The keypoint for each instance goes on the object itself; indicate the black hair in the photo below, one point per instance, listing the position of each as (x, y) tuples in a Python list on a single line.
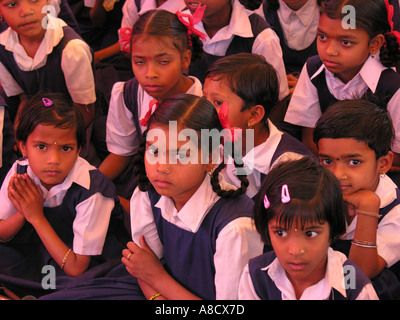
[(62, 113), (164, 23), (358, 119), (372, 17), (196, 113), (315, 196), (250, 77)]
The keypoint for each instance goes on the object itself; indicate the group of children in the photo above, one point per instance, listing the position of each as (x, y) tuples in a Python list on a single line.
[(172, 213)]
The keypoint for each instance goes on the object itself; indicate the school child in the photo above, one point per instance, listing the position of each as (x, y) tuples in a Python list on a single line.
[(295, 23), (299, 213), (57, 209), (350, 63), (44, 56), (248, 86), (162, 47), (182, 214), (354, 139), (230, 29)]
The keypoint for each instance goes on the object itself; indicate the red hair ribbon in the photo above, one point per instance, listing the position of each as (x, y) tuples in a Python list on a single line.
[(390, 11), (223, 114), (125, 38), (145, 120), (192, 20)]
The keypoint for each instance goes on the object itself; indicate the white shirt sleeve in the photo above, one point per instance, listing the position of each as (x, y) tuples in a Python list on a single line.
[(267, 44), (7, 208), (236, 244), (10, 86), (76, 63), (91, 224), (246, 288), (368, 293), (121, 136), (304, 108), (142, 222)]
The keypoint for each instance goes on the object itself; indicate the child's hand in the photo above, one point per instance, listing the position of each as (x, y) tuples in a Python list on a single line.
[(364, 200), (26, 196), (142, 263)]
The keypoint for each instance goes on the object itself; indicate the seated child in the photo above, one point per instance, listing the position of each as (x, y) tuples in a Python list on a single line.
[(353, 139), (57, 209), (299, 213), (247, 86)]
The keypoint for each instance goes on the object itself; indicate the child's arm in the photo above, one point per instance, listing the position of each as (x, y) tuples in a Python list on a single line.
[(363, 251), (28, 197), (144, 265), (113, 165), (87, 111), (10, 226)]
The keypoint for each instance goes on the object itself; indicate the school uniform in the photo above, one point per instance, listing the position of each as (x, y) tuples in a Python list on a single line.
[(209, 234), (265, 278), (133, 9), (246, 32), (85, 213), (297, 31), (62, 63), (278, 147), (130, 103), (316, 91), (387, 284)]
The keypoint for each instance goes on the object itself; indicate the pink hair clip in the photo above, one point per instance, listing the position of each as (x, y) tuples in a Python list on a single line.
[(192, 20), (223, 114), (47, 102), (285, 196), (266, 202), (145, 120)]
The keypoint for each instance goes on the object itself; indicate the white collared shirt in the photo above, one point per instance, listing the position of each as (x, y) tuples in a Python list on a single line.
[(300, 26), (237, 242), (258, 161), (388, 232), (75, 62), (121, 136), (92, 215), (334, 279), (304, 108), (266, 43), (130, 12)]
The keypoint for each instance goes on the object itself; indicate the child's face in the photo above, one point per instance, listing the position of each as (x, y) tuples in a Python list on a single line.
[(352, 162), (295, 4), (218, 92), (301, 252), (158, 65), (51, 153), (173, 167), (343, 51), (213, 7), (25, 17)]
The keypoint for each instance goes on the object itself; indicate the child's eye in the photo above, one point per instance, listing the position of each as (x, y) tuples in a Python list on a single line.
[(164, 62), (321, 36), (354, 162), (41, 147), (346, 43), (325, 162), (311, 234), (66, 148), (281, 233), (152, 150)]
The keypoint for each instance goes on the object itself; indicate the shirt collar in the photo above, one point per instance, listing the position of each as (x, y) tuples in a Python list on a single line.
[(79, 175), (333, 278), (52, 37), (370, 73), (386, 191), (305, 14), (203, 199)]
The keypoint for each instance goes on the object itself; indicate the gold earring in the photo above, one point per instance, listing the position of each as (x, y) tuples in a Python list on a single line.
[(211, 173)]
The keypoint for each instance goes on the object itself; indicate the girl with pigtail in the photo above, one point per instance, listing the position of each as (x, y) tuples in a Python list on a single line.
[(182, 213), (161, 45), (357, 46)]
